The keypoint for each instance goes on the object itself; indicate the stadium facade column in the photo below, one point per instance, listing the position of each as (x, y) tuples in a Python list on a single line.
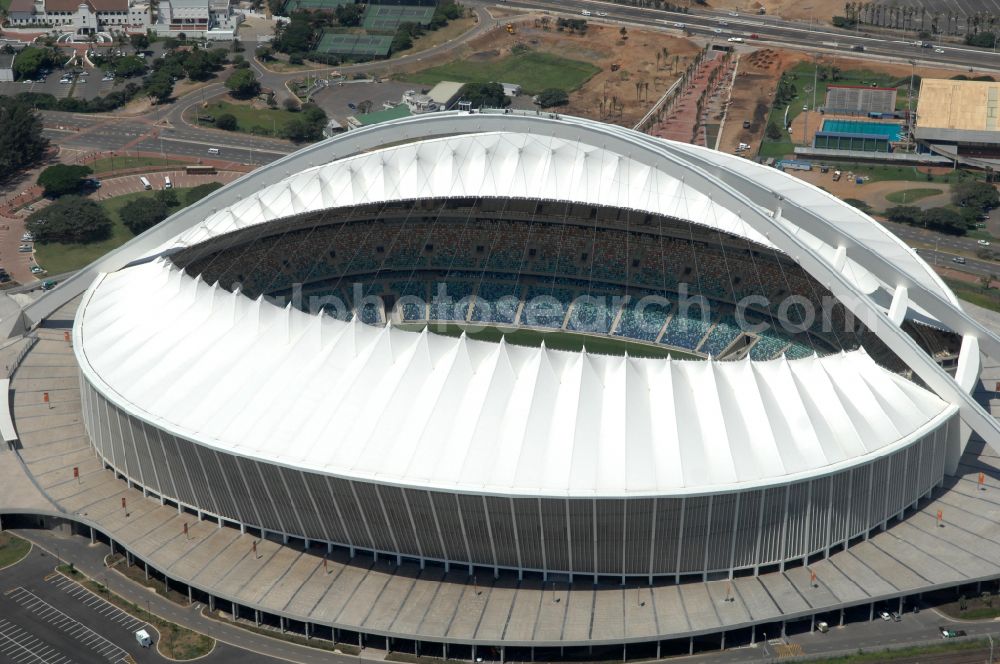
[(92, 541)]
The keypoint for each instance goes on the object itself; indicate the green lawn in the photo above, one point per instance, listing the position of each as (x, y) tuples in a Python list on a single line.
[(556, 340), (908, 196), (882, 172), (263, 122), (912, 653), (4, 5), (12, 549), (532, 70), (57, 257), (988, 299), (106, 165)]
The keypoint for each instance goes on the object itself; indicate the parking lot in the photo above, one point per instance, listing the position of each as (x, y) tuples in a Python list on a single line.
[(105, 649), (47, 619), (21, 646)]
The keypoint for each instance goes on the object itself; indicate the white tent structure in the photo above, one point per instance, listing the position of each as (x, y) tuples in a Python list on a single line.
[(489, 454)]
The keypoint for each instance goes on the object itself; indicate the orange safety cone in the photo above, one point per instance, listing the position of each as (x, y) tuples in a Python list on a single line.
[(940, 517), (45, 399), (982, 481)]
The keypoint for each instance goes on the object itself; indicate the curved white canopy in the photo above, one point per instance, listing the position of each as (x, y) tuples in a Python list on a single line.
[(513, 165), (418, 409)]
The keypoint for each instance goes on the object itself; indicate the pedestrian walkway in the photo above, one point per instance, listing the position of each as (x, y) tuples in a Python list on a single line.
[(382, 597)]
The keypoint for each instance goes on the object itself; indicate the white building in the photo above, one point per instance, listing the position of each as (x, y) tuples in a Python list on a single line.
[(6, 67), (80, 16), (212, 17)]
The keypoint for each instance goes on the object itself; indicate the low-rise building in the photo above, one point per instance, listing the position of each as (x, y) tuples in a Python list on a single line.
[(960, 120), (80, 17), (212, 18), (445, 94)]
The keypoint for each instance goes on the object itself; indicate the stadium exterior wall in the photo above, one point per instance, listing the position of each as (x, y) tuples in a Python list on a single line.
[(709, 535)]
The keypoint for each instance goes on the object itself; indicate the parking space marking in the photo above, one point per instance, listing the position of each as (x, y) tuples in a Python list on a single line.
[(69, 625), (99, 604), (22, 647)]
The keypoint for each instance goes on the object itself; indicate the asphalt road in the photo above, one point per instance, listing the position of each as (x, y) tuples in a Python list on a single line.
[(721, 25)]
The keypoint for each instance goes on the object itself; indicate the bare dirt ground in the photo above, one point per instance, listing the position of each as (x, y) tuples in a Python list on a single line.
[(757, 77), (602, 46), (752, 95), (810, 10), (874, 193)]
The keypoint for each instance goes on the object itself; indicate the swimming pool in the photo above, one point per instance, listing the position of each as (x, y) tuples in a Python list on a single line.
[(889, 130)]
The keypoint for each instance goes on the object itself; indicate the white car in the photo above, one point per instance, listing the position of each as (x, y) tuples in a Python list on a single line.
[(734, 13), (939, 50), (602, 13), (27, 80), (717, 30), (585, 12), (984, 243), (737, 40), (678, 25), (25, 249), (108, 78), (884, 615), (27, 237), (36, 270)]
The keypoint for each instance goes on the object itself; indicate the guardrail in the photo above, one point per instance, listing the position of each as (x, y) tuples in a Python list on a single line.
[(32, 338)]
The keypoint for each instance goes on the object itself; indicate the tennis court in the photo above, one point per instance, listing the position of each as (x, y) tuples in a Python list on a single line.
[(313, 5), (353, 45), (386, 18)]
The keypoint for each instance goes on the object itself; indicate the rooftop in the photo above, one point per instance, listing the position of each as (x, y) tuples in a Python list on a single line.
[(962, 105), (394, 113), (445, 91)]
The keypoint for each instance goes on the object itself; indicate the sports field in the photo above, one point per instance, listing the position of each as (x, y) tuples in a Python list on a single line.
[(534, 71), (352, 45), (386, 18), (556, 340), (313, 5)]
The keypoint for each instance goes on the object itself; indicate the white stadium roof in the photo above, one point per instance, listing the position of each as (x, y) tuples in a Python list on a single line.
[(312, 392), (423, 410), (518, 165)]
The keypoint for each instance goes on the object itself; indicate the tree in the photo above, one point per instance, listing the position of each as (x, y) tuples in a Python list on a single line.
[(139, 42), (21, 140), (859, 204), (70, 219), (943, 220), (199, 65), (904, 214), (484, 95), (773, 131), (552, 97), (298, 130), (159, 87), (195, 194), (349, 15), (983, 39), (295, 36), (243, 84), (239, 62), (168, 197), (226, 121), (974, 194), (62, 179), (129, 66), (290, 104), (141, 214), (31, 59), (263, 53)]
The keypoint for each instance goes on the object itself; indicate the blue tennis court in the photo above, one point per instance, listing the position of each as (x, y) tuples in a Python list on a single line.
[(888, 130)]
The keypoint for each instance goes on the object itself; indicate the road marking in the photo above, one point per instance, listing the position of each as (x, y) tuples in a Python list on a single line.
[(71, 626), (99, 604), (24, 648)]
